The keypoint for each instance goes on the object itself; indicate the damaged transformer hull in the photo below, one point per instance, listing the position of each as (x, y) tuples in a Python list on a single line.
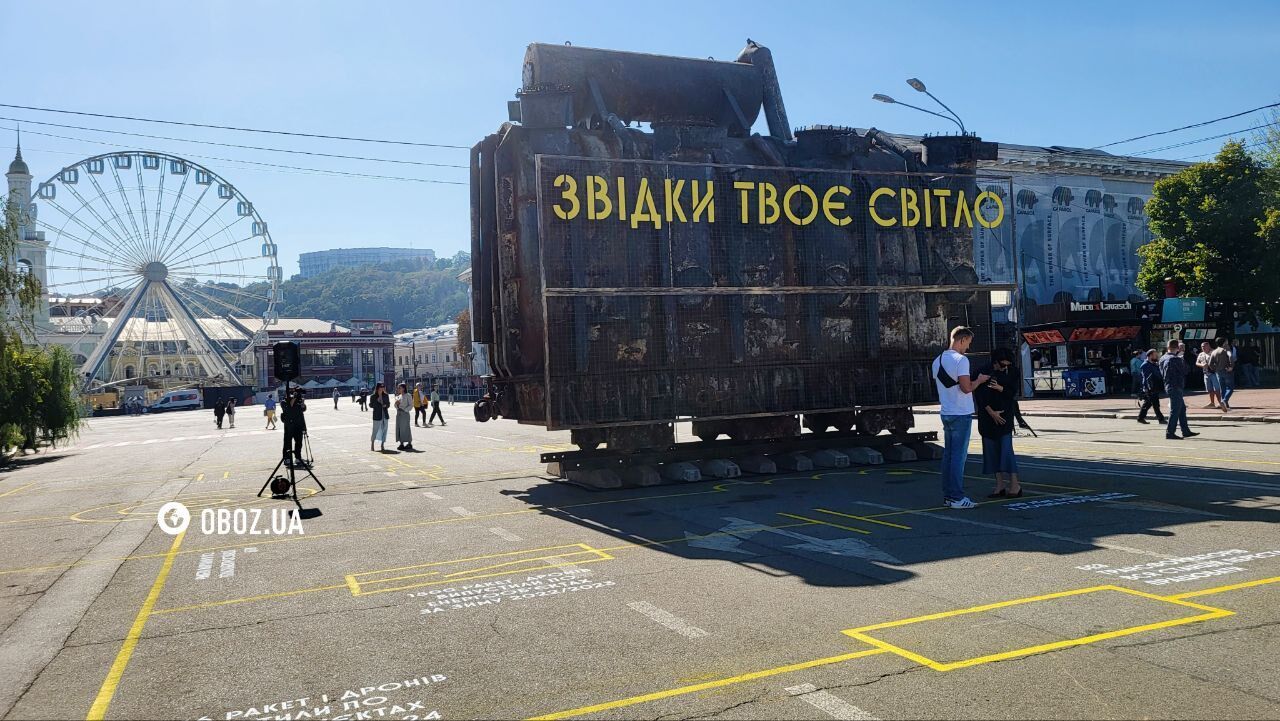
[(626, 279)]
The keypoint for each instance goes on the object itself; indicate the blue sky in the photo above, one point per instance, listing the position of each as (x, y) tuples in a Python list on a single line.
[(1081, 73)]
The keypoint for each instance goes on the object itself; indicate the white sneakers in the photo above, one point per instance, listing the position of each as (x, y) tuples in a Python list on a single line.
[(962, 503)]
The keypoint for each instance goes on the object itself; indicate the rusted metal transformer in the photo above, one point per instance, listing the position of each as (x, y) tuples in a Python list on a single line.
[(626, 278)]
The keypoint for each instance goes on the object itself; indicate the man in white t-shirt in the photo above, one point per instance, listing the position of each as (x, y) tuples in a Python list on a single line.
[(955, 389)]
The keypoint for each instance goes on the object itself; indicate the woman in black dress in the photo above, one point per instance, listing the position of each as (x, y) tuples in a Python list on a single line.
[(994, 402)]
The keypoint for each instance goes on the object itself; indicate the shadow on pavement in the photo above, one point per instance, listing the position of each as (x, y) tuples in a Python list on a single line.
[(879, 525)]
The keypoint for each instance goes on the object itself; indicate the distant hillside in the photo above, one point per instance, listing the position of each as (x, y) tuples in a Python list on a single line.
[(412, 294)]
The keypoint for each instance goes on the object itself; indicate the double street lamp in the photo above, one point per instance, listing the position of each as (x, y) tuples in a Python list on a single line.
[(919, 87)]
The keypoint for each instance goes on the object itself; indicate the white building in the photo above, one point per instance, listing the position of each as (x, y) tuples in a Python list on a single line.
[(429, 353), (320, 261)]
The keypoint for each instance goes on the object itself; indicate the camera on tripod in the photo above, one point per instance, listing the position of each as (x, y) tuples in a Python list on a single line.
[(296, 453)]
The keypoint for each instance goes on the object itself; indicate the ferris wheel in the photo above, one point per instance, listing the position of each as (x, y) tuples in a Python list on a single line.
[(164, 270)]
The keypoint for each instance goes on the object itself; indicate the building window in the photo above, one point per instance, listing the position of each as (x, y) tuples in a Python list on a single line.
[(129, 371)]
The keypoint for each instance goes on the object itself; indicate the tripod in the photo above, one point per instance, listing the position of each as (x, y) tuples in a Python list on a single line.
[(292, 461)]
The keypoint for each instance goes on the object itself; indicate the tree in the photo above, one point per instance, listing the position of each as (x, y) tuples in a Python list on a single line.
[(464, 335), (37, 397), (20, 289), (1216, 233)]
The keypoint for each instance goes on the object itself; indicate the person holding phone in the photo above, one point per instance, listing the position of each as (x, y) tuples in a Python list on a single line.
[(955, 388), (995, 401), (380, 403)]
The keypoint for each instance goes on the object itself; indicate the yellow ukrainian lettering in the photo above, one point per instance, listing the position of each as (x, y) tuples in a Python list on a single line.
[(645, 211), (942, 194), (704, 203), (871, 204), (813, 204), (962, 208), (744, 187), (910, 208), (622, 198), (673, 200), (977, 209), (569, 194), (769, 210), (830, 205), (599, 206), (928, 210)]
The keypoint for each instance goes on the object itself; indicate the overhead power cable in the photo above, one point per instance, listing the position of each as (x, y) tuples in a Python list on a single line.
[(1201, 140), (1186, 127), (232, 127), (233, 145), (309, 171)]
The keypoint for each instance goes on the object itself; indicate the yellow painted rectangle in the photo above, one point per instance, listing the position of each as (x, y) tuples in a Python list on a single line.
[(468, 569), (862, 633)]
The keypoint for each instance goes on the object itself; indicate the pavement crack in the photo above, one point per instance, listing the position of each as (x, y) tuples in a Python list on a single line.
[(716, 714)]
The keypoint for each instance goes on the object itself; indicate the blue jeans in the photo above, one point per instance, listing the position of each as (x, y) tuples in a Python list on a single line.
[(1227, 382), (955, 451), (1177, 412)]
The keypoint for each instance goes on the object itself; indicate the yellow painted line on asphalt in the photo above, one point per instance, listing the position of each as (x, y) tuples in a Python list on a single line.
[(863, 518), (1221, 589), (103, 701), (826, 523), (1208, 613), (19, 489), (694, 688), (263, 597)]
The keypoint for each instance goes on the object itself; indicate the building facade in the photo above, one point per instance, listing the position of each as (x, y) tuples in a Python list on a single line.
[(430, 353), (332, 356), (321, 261)]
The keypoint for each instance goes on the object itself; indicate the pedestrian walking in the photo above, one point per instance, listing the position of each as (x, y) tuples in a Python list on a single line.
[(1152, 384), (995, 401), (381, 405), (1173, 369), (269, 410), (435, 407), (1222, 365), (1135, 372), (219, 410), (451, 391), (1210, 378), (336, 396), (231, 411), (295, 425), (955, 388), (364, 400), (419, 405), (404, 404)]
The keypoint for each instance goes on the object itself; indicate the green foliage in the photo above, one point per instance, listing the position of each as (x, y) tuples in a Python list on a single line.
[(412, 294), (37, 400), (1216, 232), (21, 291)]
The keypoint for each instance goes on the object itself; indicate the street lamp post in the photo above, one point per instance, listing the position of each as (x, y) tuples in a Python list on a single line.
[(919, 86)]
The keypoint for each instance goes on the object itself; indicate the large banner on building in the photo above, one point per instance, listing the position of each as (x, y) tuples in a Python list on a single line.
[(1078, 237)]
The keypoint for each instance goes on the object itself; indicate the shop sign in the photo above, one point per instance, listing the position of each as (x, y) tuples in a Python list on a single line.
[(1096, 306)]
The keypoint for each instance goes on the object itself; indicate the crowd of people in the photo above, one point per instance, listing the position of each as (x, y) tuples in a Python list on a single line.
[(406, 404), (991, 396)]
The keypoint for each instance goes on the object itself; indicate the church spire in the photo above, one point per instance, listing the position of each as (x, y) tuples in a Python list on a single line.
[(19, 165)]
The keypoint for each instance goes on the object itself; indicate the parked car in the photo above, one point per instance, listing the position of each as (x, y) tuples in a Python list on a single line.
[(177, 401)]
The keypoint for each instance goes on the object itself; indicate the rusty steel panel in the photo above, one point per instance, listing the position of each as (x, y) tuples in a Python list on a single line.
[(708, 290)]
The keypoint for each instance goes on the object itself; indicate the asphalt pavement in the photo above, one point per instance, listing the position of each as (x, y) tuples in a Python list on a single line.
[(1137, 577)]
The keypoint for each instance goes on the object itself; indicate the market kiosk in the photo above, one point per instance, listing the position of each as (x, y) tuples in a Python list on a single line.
[(1083, 349)]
